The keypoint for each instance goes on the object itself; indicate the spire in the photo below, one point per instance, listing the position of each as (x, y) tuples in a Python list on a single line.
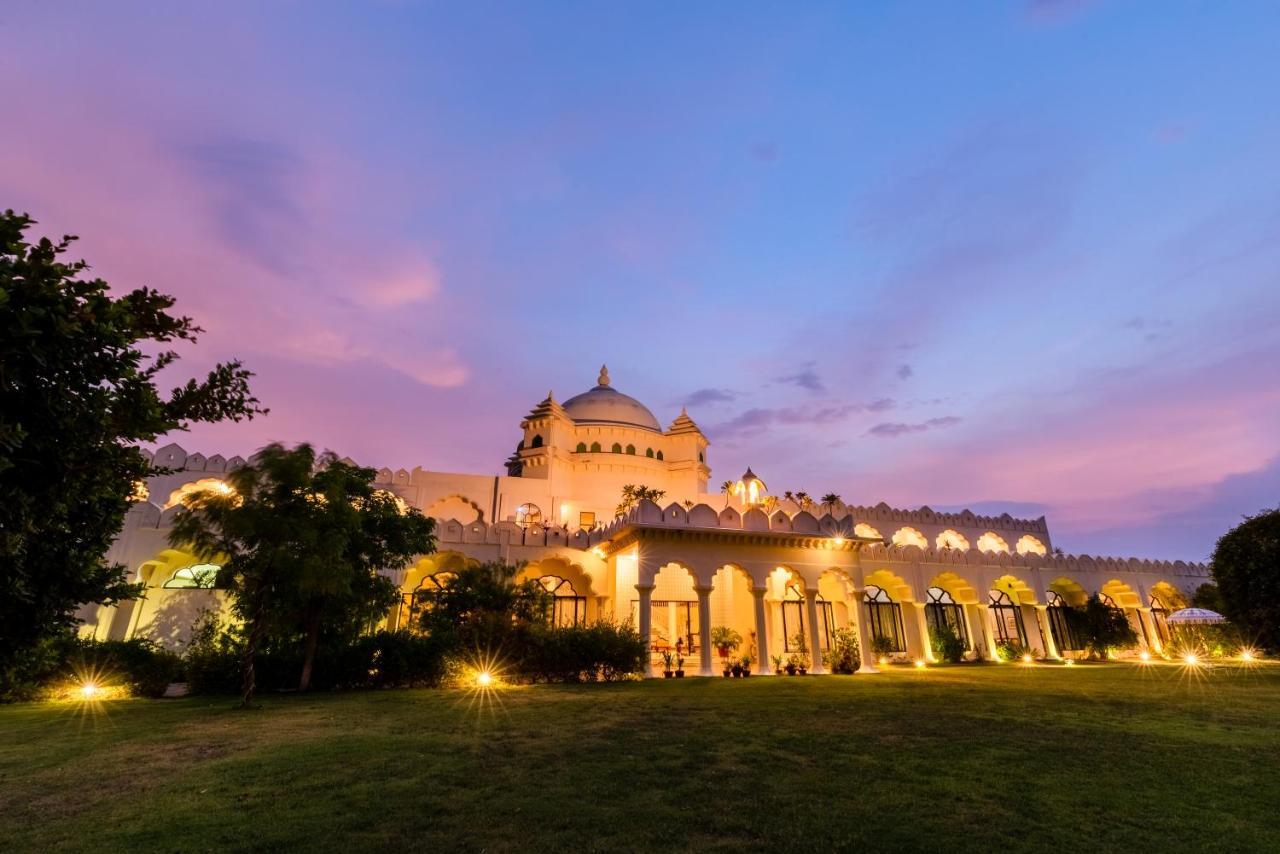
[(603, 379)]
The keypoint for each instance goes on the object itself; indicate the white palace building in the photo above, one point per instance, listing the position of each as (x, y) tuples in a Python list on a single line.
[(764, 566)]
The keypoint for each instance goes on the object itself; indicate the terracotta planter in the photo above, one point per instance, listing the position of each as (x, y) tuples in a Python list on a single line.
[(679, 674), (746, 671), (666, 674), (726, 674)]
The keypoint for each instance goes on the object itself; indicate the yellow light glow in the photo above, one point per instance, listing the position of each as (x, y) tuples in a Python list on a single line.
[(1027, 659), (1191, 659), (484, 678), (89, 690), (884, 660), (1247, 655), (1069, 662), (839, 541), (598, 552), (919, 662), (1144, 655)]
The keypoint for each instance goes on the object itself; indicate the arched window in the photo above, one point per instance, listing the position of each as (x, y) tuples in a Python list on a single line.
[(567, 607), (884, 617), (427, 594), (648, 452), (941, 610), (582, 447), (631, 449), (595, 447), (617, 448), (701, 458), (862, 529), (793, 619), (1060, 625), (659, 454), (1160, 616), (528, 514), (1007, 619), (537, 441), (199, 577)]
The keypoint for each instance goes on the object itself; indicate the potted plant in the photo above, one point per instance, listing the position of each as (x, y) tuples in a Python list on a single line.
[(736, 669), (667, 658), (882, 647), (725, 640), (747, 661), (679, 664), (799, 659), (777, 665), (844, 656)]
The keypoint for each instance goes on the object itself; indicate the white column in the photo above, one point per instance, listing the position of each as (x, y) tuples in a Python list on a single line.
[(646, 626), (1032, 626), (1051, 645), (924, 631), (1157, 645), (763, 665), (986, 636), (815, 636), (859, 616), (704, 629)]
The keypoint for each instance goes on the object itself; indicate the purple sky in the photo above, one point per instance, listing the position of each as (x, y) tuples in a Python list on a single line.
[(1020, 256)]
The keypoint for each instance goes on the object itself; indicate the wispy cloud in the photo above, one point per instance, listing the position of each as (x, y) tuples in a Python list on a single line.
[(709, 397), (758, 418), (894, 429), (807, 378), (905, 372)]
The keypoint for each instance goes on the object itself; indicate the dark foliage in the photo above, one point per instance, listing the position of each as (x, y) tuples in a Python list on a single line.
[(599, 651), (1246, 568), (1101, 627), (77, 393), (60, 663), (946, 643)]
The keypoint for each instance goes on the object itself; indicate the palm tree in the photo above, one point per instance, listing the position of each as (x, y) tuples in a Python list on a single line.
[(831, 499), (725, 489), (803, 499)]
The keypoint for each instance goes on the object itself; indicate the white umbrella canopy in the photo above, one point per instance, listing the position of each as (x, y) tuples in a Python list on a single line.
[(1195, 617)]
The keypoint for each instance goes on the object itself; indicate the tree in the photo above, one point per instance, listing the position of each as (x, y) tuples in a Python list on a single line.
[(77, 393), (726, 489), (482, 610), (1208, 596), (1101, 627), (301, 538), (803, 499), (632, 495), (831, 499), (1246, 568)]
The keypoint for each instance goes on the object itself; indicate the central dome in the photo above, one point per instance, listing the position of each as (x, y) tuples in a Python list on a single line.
[(605, 405)]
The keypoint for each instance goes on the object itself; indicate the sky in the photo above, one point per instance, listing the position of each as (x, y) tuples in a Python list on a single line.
[(1011, 256)]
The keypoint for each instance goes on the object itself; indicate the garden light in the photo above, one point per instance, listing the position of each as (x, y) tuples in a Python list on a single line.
[(883, 660), (919, 662), (89, 690), (1026, 659), (1145, 656), (484, 678), (1191, 659), (839, 541), (1070, 662), (1246, 655)]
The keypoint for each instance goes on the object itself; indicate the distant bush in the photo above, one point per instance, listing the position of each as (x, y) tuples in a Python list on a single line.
[(946, 643), (1012, 651), (882, 646), (140, 667)]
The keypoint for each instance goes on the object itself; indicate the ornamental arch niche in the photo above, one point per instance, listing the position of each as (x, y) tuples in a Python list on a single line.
[(992, 543), (1071, 592), (674, 617), (1121, 594), (1029, 545), (862, 529), (952, 539), (1019, 590), (205, 484), (458, 507), (908, 536), (958, 587)]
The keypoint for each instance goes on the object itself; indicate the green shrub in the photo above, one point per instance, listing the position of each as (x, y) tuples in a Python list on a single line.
[(845, 655), (1012, 651), (882, 646), (946, 643), (603, 650)]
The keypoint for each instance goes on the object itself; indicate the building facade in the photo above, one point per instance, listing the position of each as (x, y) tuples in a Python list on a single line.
[(783, 572)]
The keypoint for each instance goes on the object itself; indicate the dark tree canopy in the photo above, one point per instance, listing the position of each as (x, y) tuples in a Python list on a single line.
[(301, 538), (1246, 568), (77, 392)]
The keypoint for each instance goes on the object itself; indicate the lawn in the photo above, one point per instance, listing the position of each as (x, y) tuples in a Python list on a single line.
[(1105, 757)]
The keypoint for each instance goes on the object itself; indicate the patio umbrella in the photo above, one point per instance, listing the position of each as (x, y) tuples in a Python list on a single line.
[(1195, 617)]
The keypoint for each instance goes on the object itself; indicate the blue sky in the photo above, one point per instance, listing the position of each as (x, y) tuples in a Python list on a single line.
[(1009, 256)]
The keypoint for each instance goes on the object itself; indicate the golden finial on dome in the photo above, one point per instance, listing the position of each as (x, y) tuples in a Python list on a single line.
[(603, 379)]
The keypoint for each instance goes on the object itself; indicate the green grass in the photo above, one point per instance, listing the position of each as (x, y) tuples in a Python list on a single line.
[(1108, 757)]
